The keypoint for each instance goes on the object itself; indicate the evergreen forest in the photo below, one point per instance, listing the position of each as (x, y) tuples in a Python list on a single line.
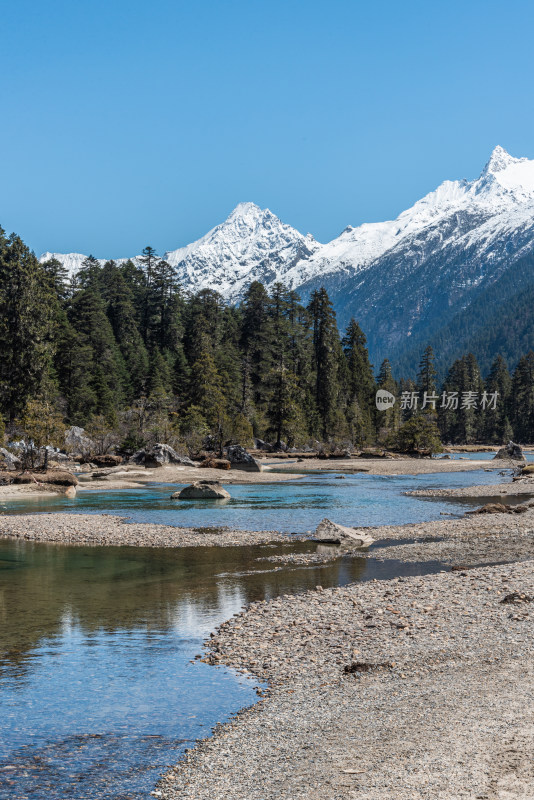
[(121, 351)]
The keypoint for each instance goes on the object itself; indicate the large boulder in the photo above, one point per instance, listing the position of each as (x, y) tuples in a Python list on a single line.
[(240, 459), (328, 531), (260, 444), (77, 442), (159, 456), (512, 452), (8, 460), (202, 490)]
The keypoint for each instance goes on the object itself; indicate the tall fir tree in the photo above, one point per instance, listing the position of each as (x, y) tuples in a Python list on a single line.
[(28, 307), (327, 350)]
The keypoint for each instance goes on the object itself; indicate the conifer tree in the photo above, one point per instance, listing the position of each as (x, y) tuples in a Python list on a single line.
[(523, 399), (327, 350), (121, 313), (360, 385), (27, 309), (388, 421), (106, 373), (496, 425), (426, 378)]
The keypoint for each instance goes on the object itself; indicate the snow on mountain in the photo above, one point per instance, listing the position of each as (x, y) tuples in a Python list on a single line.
[(501, 199), (71, 261), (488, 218), (252, 244)]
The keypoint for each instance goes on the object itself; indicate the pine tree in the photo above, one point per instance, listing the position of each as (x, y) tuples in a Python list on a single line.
[(388, 420), (426, 378), (106, 373), (27, 309), (207, 394), (459, 415), (148, 261), (255, 342), (360, 385), (496, 426), (523, 399), (121, 313), (327, 350)]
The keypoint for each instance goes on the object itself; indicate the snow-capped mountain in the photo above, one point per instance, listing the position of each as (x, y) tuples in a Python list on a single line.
[(500, 200), (400, 278), (408, 277), (252, 244)]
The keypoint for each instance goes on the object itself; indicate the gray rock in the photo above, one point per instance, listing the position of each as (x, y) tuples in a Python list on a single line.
[(280, 447), (159, 456), (240, 459), (11, 461), (511, 451), (259, 444), (202, 490), (77, 442), (328, 531)]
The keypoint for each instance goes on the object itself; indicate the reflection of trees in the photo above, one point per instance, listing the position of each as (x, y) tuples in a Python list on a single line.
[(113, 588)]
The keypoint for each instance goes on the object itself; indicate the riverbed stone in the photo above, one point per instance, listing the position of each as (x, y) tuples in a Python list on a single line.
[(511, 451), (9, 460), (239, 458), (328, 531), (159, 456), (202, 490)]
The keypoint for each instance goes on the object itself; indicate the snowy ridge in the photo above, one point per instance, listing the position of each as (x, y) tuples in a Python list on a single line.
[(252, 244), (482, 216)]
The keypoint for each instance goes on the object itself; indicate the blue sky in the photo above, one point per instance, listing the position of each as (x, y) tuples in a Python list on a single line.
[(127, 123)]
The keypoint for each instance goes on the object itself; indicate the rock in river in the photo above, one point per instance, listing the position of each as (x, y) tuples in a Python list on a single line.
[(511, 451), (240, 459), (328, 531), (202, 490)]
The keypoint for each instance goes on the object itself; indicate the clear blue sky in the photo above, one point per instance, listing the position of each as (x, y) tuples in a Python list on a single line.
[(127, 123)]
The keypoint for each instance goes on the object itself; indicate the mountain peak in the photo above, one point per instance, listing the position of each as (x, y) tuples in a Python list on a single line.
[(246, 209), (507, 176), (500, 160)]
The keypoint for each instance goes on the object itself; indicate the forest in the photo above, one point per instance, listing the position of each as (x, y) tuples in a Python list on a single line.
[(123, 352)]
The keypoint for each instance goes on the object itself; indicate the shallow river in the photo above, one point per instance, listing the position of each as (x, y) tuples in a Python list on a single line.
[(97, 690)]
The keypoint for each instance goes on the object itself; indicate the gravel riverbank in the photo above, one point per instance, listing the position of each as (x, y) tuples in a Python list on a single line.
[(521, 486), (437, 701), (103, 529)]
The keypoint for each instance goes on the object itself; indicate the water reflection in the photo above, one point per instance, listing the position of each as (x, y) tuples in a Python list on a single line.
[(97, 688)]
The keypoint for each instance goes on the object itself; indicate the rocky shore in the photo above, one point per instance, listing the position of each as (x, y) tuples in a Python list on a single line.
[(522, 486), (411, 688), (103, 529)]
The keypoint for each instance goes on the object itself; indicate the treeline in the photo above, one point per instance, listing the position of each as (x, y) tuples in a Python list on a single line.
[(122, 351)]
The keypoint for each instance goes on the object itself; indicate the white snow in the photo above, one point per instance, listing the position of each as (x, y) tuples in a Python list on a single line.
[(253, 244)]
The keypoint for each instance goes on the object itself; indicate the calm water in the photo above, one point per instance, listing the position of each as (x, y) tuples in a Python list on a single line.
[(97, 690), (296, 506)]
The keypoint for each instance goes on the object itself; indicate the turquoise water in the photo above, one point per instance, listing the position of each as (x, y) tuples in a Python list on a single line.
[(294, 506), (98, 691)]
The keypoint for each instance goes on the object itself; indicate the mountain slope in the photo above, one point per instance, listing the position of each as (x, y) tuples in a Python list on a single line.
[(252, 244), (434, 259), (403, 279), (499, 320)]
